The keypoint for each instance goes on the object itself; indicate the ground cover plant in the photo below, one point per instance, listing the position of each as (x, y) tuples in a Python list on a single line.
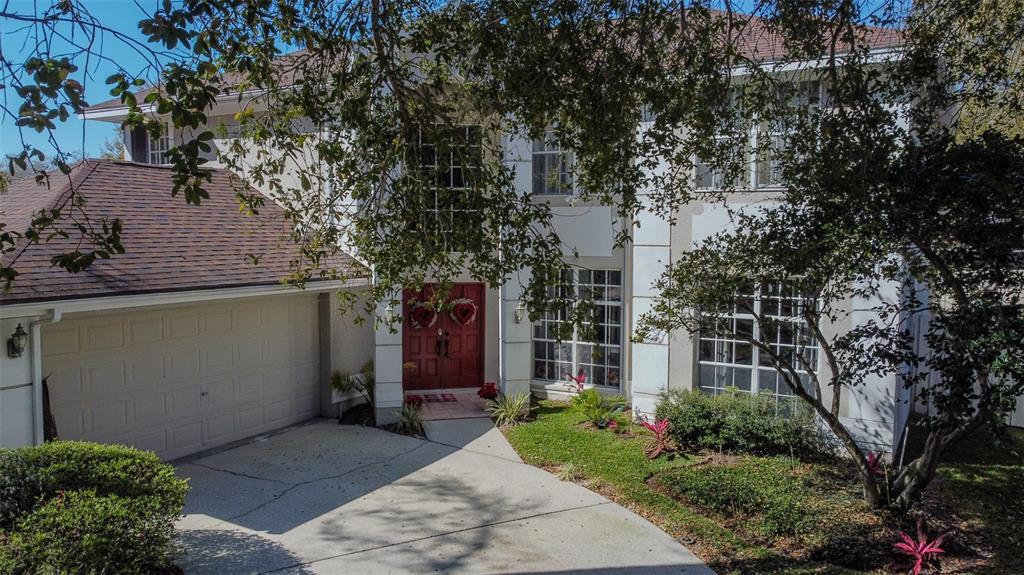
[(751, 514), (79, 507)]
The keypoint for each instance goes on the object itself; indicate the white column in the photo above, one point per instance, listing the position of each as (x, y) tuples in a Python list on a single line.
[(19, 412), (387, 361), (516, 339)]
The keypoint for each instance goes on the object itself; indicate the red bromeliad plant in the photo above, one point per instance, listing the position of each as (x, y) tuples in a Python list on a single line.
[(662, 441), (875, 464), (579, 379), (921, 550)]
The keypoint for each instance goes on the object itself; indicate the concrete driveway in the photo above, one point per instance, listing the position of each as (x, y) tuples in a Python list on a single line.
[(325, 498)]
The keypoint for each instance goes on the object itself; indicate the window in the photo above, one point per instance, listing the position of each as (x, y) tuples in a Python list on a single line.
[(551, 168), (600, 360), (759, 151), (726, 360), (447, 162), (158, 148)]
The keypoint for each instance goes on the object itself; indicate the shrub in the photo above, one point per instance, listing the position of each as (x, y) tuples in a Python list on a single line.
[(599, 409), (509, 409), (779, 498), (71, 506), (742, 423), (410, 419)]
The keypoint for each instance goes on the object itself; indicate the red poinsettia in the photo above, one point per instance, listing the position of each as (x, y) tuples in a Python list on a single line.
[(921, 550)]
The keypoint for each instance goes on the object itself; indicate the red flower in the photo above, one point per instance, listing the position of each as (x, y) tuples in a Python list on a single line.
[(875, 464), (579, 379), (488, 390)]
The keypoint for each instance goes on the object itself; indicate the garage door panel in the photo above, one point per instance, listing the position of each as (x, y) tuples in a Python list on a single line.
[(187, 438), (180, 380), (216, 322), (218, 393), (220, 428), (147, 330), (105, 377), (109, 417), (147, 371), (150, 409), (104, 336)]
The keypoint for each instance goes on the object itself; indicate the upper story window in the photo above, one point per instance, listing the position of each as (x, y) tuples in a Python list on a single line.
[(759, 152), (770, 313), (552, 168), (150, 150), (447, 162)]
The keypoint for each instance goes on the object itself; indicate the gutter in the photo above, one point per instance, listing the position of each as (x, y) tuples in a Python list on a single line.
[(36, 340)]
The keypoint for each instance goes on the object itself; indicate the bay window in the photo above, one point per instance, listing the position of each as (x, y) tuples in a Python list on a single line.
[(557, 354)]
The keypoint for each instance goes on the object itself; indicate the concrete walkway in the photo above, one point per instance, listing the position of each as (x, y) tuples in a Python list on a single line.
[(330, 499)]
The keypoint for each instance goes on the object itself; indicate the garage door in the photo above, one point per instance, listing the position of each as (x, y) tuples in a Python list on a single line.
[(177, 380)]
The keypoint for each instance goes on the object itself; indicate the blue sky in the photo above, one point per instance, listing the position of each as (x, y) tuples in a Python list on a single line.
[(76, 135)]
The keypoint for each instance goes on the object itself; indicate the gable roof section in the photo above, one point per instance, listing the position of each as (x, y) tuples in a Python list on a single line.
[(170, 245)]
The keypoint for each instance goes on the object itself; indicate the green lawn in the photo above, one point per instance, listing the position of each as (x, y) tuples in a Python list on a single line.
[(617, 467)]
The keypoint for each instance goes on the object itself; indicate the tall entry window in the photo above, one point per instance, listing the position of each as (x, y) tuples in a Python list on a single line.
[(600, 360)]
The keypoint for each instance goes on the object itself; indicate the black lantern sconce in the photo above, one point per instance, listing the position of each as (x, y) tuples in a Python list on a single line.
[(17, 342)]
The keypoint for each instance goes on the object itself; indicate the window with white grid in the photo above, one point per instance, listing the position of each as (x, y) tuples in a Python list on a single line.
[(158, 148), (600, 359), (552, 173), (726, 360), (448, 161)]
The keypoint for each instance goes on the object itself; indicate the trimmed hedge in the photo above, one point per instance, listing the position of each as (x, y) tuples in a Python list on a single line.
[(737, 422), (80, 507), (781, 500)]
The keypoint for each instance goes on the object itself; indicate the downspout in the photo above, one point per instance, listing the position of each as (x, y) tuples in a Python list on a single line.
[(35, 331)]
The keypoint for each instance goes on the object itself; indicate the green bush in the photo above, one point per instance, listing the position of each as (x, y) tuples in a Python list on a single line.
[(737, 422), (780, 499), (598, 408), (79, 507)]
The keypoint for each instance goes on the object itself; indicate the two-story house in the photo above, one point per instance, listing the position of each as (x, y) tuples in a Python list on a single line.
[(182, 344)]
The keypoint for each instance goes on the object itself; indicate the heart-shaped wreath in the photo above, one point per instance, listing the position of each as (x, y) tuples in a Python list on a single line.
[(421, 314), (463, 311)]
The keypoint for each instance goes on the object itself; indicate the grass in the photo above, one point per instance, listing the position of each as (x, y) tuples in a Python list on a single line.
[(980, 487)]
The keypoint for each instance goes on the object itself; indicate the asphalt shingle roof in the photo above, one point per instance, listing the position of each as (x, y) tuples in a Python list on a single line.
[(170, 245)]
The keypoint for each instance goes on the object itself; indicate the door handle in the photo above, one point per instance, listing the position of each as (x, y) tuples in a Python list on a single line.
[(446, 347), (437, 346)]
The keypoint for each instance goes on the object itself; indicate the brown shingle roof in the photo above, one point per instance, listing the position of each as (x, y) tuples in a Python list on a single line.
[(170, 245)]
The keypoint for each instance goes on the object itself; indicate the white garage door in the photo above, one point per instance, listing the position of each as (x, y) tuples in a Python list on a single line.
[(177, 380)]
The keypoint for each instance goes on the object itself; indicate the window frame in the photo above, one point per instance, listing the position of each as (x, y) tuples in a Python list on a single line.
[(428, 147), (580, 352), (549, 147), (756, 368), (152, 150), (755, 155)]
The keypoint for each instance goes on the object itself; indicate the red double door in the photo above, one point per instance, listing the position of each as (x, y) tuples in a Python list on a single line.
[(448, 353)]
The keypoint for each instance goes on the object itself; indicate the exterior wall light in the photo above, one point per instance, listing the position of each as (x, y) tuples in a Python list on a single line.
[(17, 342), (520, 311)]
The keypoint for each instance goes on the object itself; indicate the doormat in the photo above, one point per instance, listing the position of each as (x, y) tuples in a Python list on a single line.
[(431, 398)]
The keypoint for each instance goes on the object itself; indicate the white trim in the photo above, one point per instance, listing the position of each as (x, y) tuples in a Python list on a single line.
[(165, 298)]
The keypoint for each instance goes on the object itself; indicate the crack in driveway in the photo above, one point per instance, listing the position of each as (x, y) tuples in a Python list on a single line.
[(435, 536), (293, 486)]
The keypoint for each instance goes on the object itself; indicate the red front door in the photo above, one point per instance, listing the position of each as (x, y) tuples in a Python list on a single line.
[(440, 351)]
